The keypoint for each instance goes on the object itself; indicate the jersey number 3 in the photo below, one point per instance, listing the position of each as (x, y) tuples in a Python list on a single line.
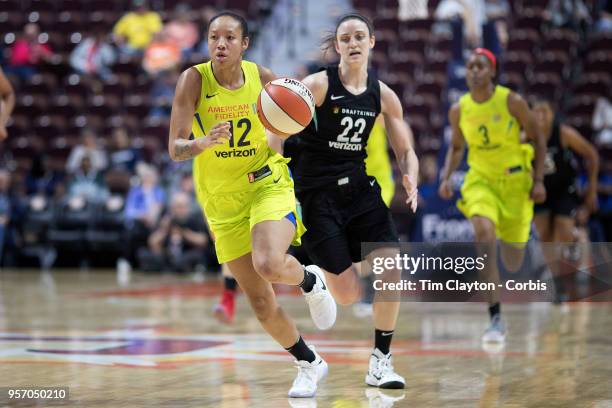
[(348, 124), (242, 123), (485, 134)]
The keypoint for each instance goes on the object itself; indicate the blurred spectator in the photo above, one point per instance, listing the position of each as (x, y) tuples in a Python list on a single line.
[(483, 22), (41, 178), (412, 9), (87, 183), (93, 56), (135, 30), (602, 122), (27, 52), (122, 156), (7, 103), (161, 54), (180, 241), (495, 31), (428, 186), (568, 13), (142, 210), (182, 30), (88, 147), (182, 183), (162, 94), (472, 13), (604, 22)]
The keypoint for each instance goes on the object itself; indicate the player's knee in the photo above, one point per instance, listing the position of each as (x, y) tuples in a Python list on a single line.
[(484, 233), (263, 307), (348, 297), (346, 292), (268, 266), (513, 259)]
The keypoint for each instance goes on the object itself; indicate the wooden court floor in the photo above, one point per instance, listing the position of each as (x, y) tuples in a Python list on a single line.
[(154, 343)]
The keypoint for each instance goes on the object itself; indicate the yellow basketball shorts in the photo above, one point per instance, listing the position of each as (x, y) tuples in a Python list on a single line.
[(505, 200), (232, 216)]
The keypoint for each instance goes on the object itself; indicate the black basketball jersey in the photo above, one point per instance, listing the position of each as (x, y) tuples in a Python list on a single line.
[(559, 165), (333, 145)]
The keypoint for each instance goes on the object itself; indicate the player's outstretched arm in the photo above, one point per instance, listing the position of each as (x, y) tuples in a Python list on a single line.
[(454, 154), (572, 139), (520, 110), (186, 99), (400, 138), (7, 103)]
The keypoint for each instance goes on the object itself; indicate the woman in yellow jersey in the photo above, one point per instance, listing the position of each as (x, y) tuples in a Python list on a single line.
[(500, 186), (245, 189)]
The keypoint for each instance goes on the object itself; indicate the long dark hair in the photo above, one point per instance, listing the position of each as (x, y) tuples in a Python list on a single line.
[(330, 38)]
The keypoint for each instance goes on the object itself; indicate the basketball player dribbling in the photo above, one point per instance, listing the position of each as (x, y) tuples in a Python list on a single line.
[(500, 187), (245, 189), (341, 204)]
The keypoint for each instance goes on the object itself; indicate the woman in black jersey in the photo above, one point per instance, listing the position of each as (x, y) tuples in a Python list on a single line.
[(341, 206), (555, 219)]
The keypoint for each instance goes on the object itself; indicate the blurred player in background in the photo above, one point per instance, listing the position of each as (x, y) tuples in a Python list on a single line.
[(555, 218), (248, 199), (7, 103), (499, 190)]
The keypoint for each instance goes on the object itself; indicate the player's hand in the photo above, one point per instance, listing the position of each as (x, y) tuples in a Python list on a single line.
[(217, 135), (538, 192), (445, 190), (590, 201), (410, 185), (3, 133)]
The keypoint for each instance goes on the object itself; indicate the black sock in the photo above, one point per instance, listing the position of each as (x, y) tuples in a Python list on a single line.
[(382, 340), (230, 283), (301, 351), (494, 310), (308, 282)]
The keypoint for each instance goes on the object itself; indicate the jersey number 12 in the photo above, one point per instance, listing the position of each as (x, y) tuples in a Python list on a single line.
[(242, 123)]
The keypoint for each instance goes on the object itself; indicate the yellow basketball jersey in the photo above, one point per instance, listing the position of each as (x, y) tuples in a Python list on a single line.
[(224, 168), (492, 133), (377, 162)]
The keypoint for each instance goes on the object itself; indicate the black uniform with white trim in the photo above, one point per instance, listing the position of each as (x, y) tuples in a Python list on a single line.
[(559, 177), (341, 205)]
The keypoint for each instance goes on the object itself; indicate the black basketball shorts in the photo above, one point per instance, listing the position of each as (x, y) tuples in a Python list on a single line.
[(340, 217), (560, 202)]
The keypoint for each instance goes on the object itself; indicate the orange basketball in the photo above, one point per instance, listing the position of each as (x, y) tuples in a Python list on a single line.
[(285, 106)]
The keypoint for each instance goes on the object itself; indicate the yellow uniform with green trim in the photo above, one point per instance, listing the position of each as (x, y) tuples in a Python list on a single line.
[(498, 183), (243, 181), (378, 164)]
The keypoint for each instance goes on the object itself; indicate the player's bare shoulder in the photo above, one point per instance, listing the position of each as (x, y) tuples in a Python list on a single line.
[(389, 100)]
